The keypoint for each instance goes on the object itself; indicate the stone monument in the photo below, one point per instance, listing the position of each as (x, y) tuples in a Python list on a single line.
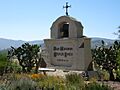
[(68, 49)]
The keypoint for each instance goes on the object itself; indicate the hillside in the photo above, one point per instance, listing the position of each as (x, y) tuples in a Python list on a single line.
[(95, 41), (6, 43)]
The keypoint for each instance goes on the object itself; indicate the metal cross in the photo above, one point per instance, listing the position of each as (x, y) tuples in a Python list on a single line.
[(67, 6)]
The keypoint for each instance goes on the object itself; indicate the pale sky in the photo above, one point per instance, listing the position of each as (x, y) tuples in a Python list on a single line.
[(32, 19)]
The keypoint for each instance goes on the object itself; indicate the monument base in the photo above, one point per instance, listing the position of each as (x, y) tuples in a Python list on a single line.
[(70, 54)]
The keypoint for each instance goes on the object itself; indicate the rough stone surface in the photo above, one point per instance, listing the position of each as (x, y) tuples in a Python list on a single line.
[(68, 48)]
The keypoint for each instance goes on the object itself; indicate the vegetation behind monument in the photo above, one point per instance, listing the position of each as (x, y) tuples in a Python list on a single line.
[(107, 58), (27, 56)]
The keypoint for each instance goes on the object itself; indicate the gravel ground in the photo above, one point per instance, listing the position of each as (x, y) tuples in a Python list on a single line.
[(114, 85)]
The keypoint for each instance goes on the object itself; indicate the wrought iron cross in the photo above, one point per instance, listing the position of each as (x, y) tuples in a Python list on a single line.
[(67, 6)]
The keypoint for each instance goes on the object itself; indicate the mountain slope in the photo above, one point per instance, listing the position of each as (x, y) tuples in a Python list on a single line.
[(95, 41), (6, 43)]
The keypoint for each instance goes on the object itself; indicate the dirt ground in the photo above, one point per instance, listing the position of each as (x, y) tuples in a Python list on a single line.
[(114, 85)]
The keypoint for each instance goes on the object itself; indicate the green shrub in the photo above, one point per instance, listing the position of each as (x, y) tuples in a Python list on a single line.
[(49, 82), (104, 75), (97, 86), (93, 80), (21, 83), (118, 74), (14, 67), (118, 67), (75, 81), (2, 87), (3, 62)]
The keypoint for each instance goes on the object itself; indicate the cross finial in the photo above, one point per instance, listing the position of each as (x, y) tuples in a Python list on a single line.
[(67, 6)]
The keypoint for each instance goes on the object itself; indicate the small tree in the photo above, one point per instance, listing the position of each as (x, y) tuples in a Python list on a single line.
[(27, 56), (106, 57)]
